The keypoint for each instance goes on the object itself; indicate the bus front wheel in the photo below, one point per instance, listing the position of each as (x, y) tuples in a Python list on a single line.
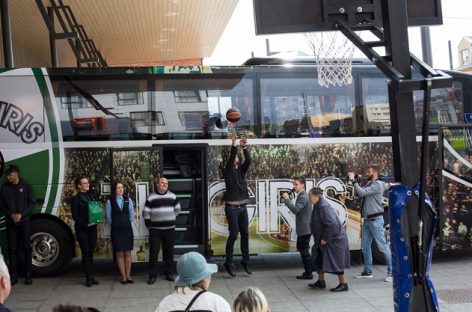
[(51, 247)]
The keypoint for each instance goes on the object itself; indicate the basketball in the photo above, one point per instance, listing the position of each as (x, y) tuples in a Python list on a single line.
[(233, 115)]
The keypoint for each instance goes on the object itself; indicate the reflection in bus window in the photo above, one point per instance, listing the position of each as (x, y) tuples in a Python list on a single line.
[(446, 107), (73, 102), (372, 117), (186, 96), (195, 106), (299, 107), (146, 119), (92, 109), (129, 98)]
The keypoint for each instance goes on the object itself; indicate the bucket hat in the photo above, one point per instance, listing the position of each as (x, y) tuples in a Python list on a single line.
[(192, 268)]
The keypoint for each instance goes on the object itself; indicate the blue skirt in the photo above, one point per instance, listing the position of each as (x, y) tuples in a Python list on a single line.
[(122, 239)]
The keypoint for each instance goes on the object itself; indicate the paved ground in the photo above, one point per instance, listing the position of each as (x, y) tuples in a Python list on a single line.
[(274, 274)]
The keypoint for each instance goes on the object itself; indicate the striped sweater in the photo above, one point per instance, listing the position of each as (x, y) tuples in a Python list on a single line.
[(161, 210)]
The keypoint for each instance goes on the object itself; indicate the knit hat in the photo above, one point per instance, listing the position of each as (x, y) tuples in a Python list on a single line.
[(192, 268), (11, 168)]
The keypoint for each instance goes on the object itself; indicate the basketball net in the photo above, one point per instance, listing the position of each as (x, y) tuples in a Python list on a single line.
[(333, 56)]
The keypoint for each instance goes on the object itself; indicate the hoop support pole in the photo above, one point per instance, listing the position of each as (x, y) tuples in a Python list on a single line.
[(438, 79)]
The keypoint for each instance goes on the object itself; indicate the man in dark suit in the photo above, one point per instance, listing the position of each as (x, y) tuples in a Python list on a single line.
[(16, 201), (302, 208)]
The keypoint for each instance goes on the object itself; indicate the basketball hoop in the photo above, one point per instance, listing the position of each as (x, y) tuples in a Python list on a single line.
[(333, 57)]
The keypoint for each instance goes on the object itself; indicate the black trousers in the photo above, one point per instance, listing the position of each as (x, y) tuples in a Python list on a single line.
[(238, 222), (303, 246), (87, 239), (19, 244), (167, 239)]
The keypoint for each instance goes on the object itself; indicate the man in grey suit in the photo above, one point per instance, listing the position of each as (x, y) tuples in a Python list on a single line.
[(302, 208)]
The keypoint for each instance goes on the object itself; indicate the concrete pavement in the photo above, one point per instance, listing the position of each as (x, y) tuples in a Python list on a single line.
[(274, 274)]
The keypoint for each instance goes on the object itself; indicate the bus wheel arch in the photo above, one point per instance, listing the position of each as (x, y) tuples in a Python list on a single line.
[(52, 243)]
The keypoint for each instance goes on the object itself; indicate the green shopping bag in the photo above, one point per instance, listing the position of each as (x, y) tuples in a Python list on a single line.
[(95, 211)]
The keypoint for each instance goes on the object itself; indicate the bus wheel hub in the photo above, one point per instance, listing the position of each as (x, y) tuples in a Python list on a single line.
[(45, 249)]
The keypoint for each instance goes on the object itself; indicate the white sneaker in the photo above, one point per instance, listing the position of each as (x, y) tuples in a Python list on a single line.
[(388, 279)]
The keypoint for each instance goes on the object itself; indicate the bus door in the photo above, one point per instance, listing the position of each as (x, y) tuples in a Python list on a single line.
[(185, 167)]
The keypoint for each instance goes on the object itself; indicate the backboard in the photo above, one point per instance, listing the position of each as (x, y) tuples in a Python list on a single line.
[(291, 16)]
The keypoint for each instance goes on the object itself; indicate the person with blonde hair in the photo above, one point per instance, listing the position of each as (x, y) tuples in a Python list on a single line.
[(251, 300), (5, 285), (191, 287)]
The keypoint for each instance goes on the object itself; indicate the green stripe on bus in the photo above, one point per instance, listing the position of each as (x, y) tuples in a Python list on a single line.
[(49, 109)]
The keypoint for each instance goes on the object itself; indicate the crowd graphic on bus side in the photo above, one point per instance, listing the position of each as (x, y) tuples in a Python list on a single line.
[(330, 254), (456, 201), (318, 161)]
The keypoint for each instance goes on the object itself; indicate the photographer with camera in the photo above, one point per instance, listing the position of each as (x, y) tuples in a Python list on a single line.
[(302, 208), (373, 222)]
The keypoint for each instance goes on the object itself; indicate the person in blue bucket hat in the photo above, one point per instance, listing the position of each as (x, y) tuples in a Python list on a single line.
[(191, 287)]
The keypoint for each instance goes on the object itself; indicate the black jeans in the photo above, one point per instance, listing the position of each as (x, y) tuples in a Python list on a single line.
[(87, 239), (19, 236), (167, 238), (303, 246), (238, 222)]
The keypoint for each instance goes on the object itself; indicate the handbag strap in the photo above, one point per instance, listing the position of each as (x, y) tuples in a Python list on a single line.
[(193, 300)]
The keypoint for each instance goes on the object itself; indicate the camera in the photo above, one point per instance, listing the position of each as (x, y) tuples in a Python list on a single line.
[(357, 178)]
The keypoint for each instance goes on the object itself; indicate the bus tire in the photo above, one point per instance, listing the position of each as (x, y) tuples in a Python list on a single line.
[(51, 247)]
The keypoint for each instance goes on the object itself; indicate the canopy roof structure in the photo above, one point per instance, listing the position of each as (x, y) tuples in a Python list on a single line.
[(127, 33)]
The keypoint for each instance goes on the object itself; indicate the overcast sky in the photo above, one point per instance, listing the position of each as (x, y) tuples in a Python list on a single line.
[(239, 39)]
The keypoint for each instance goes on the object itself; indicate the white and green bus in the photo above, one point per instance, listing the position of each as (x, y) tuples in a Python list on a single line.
[(136, 124)]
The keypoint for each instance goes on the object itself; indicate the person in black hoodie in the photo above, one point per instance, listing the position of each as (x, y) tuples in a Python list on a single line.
[(86, 232), (16, 201), (235, 209)]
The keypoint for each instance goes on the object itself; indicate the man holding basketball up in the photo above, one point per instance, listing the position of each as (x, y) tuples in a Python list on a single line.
[(235, 208)]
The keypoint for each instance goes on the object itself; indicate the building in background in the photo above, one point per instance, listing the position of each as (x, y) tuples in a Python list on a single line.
[(464, 50)]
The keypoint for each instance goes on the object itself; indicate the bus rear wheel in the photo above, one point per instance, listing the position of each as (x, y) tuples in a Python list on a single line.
[(51, 247)]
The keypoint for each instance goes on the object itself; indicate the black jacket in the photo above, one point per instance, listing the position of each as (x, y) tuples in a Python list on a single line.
[(235, 179), (17, 198), (79, 209)]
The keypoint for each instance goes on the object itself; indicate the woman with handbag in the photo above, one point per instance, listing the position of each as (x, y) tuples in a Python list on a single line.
[(191, 287), (86, 232), (120, 216)]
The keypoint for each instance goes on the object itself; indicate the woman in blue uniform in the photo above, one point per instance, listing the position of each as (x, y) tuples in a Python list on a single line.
[(120, 216)]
